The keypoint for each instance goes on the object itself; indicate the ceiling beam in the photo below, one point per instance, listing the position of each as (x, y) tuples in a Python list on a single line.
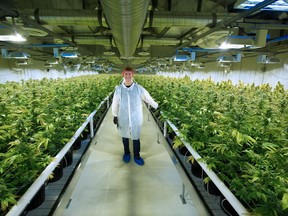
[(225, 23)]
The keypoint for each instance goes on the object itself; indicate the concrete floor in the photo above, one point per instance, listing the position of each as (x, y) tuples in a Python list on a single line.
[(104, 185)]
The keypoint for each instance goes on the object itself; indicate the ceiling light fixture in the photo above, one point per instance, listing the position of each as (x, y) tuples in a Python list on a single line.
[(233, 58), (267, 60), (109, 53), (280, 5), (69, 54), (10, 33), (14, 55), (143, 53), (13, 37), (21, 62), (226, 45), (181, 58), (52, 61), (47, 65)]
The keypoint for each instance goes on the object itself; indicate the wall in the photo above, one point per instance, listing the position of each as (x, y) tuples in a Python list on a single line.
[(247, 71), (9, 72)]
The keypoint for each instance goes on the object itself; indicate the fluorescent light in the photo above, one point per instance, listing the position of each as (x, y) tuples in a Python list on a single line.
[(267, 60), (279, 5), (69, 54), (143, 53), (18, 55), (231, 46), (226, 59), (47, 65), (15, 38), (109, 53), (181, 58), (52, 61), (19, 63)]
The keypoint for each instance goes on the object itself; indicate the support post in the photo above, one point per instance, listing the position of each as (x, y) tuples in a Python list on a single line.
[(107, 103), (91, 127), (165, 129)]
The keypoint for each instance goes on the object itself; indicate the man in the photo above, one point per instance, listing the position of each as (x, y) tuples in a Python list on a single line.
[(128, 114)]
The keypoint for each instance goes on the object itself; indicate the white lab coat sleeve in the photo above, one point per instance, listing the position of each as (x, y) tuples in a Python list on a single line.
[(147, 98), (115, 103)]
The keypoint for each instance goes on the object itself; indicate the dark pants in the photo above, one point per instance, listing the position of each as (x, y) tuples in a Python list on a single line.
[(136, 147)]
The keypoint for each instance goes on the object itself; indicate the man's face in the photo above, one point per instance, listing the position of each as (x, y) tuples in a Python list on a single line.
[(128, 75)]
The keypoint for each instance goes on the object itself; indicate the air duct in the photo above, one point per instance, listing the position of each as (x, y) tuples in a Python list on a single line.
[(162, 19), (126, 19), (147, 41), (105, 41), (65, 17)]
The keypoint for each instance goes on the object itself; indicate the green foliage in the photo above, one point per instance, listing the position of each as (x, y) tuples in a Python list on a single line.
[(239, 130), (37, 119)]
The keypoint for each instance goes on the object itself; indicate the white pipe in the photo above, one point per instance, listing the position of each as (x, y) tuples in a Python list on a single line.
[(236, 204), (24, 201)]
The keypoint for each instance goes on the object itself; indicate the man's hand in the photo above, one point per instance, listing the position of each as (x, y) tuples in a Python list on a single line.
[(115, 120)]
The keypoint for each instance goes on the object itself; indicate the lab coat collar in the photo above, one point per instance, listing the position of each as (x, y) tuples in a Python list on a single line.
[(131, 87)]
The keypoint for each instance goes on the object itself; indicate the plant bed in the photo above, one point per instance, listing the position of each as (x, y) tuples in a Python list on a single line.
[(38, 119), (238, 129)]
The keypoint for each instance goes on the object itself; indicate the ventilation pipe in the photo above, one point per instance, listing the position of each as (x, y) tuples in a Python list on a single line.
[(163, 41), (162, 19), (126, 19), (67, 17)]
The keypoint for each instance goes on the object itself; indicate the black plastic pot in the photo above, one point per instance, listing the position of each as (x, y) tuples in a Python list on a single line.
[(38, 199), (171, 135), (85, 134), (227, 207), (196, 169), (211, 187), (184, 151), (68, 158), (57, 173), (77, 144)]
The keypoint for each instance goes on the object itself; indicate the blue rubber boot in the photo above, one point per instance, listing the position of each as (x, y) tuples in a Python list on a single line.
[(126, 158), (139, 161)]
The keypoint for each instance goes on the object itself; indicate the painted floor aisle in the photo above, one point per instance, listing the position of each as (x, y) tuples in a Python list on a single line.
[(104, 185)]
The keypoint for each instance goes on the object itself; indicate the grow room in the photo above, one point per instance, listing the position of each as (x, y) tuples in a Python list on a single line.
[(205, 81)]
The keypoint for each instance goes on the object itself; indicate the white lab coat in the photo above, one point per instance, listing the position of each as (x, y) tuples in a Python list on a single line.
[(127, 106)]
